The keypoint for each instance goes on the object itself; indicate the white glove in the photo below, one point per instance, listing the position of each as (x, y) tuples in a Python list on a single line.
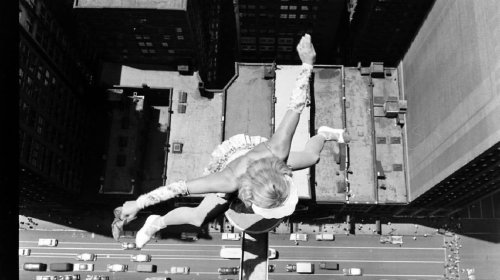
[(300, 94), (163, 193)]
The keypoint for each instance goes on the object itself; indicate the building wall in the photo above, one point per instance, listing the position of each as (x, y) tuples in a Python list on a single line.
[(452, 84)]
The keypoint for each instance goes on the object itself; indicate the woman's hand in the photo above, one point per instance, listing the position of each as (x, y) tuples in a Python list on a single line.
[(129, 211), (306, 50)]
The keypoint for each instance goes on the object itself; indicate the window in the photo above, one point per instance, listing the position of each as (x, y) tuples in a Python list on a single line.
[(283, 7), (248, 40), (285, 41), (122, 141), (293, 8), (166, 37), (164, 44), (304, 8), (283, 16), (180, 37), (121, 160), (292, 16), (303, 16), (178, 30)]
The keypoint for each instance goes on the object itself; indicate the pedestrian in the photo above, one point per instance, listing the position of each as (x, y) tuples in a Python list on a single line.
[(256, 170)]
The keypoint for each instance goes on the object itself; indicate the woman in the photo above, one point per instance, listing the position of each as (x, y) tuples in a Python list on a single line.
[(252, 167)]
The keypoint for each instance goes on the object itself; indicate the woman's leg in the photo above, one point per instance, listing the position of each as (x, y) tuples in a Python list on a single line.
[(209, 207)]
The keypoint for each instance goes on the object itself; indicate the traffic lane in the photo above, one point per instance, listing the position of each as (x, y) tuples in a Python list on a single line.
[(359, 253), (339, 276)]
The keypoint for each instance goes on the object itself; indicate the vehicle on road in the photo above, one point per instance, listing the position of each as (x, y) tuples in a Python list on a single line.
[(158, 278), (192, 236), (325, 236), (229, 270), (329, 265), (86, 257), (61, 267), (391, 239), (24, 252), (70, 277), (46, 277), (50, 242), (117, 267), (235, 253), (35, 266), (128, 246), (146, 268), (271, 268), (83, 267), (179, 270), (291, 267), (141, 258), (298, 237), (305, 268), (231, 236), (353, 271), (97, 277)]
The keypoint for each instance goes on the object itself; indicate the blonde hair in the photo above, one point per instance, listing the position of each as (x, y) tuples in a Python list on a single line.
[(264, 183)]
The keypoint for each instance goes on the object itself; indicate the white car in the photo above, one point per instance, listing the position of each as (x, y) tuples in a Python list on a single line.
[(47, 242), (140, 258), (179, 270), (83, 267), (126, 245), (24, 252), (70, 277), (86, 257), (45, 277), (157, 278), (231, 236), (235, 253), (97, 277), (272, 253), (298, 237), (325, 236), (353, 271), (193, 236), (117, 267)]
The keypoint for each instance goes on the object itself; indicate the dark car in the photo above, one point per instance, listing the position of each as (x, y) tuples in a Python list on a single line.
[(228, 270), (329, 265), (61, 267), (35, 266), (146, 268)]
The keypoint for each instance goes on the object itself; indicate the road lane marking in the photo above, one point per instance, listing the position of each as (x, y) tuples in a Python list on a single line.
[(119, 249)]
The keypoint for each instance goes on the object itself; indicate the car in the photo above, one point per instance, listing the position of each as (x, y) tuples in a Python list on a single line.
[(179, 270), (272, 253), (192, 236), (298, 237), (128, 246), (140, 258), (83, 267), (158, 278), (61, 267), (228, 270), (46, 277), (271, 268), (391, 239), (70, 277), (117, 267), (235, 253), (146, 268), (24, 252), (291, 267), (353, 271), (231, 236), (329, 265), (49, 242), (325, 236), (97, 277), (86, 257), (35, 266)]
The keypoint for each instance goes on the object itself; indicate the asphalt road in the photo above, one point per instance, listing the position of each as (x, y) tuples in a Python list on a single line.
[(416, 259)]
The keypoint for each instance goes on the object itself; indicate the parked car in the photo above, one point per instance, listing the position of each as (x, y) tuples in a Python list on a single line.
[(140, 258), (128, 246), (146, 268), (228, 270), (353, 271), (179, 270), (24, 252), (50, 242), (97, 277), (298, 237), (83, 267), (86, 257), (61, 267), (117, 267), (391, 239), (70, 277), (291, 267), (193, 236), (271, 268), (231, 236), (35, 266), (329, 265), (325, 236), (46, 277)]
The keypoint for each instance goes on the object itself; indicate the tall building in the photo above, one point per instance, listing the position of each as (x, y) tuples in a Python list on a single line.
[(173, 35), (269, 31), (55, 74)]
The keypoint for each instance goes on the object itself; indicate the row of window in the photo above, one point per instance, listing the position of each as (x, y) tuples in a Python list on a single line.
[(282, 15), (267, 40), (267, 48)]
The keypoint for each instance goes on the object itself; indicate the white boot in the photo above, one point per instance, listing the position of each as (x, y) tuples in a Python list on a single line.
[(147, 231), (337, 134)]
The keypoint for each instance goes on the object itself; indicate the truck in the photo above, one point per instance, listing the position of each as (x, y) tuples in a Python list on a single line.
[(305, 268), (391, 239), (151, 268), (329, 265)]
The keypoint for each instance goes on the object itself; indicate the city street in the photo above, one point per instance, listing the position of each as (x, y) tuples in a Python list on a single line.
[(422, 259)]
